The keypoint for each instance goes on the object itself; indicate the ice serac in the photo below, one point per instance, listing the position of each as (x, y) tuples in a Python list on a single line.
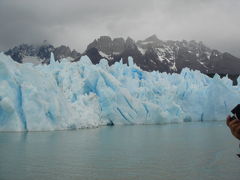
[(77, 95), (31, 100)]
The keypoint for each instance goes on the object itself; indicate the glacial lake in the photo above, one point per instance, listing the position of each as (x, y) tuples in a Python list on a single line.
[(187, 151)]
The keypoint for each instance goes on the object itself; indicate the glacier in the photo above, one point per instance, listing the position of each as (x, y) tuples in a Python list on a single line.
[(73, 95)]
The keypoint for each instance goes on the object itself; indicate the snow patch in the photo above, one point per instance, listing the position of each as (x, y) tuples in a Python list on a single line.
[(32, 59), (143, 51)]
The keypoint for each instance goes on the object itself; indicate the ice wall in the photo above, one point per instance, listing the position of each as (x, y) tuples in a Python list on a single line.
[(76, 95)]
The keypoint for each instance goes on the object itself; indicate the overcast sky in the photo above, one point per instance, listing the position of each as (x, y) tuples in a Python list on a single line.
[(78, 22)]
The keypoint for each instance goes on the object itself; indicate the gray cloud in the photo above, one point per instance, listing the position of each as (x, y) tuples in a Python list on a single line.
[(77, 22)]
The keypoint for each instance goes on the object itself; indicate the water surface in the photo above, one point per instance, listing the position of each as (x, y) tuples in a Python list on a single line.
[(188, 151)]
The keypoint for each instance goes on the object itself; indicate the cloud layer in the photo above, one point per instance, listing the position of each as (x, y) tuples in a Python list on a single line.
[(77, 22)]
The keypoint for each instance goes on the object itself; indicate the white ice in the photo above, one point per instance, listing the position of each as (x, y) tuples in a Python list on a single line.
[(78, 95)]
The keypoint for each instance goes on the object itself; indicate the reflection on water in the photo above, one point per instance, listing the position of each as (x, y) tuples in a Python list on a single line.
[(188, 151)]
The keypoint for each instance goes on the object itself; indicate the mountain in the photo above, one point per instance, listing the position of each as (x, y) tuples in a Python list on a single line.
[(38, 54), (166, 56), (151, 54)]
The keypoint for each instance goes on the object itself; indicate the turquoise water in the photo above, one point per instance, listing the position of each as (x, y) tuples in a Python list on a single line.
[(188, 151)]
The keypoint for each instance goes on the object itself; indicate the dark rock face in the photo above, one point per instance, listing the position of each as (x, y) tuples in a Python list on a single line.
[(18, 52), (94, 55), (104, 43), (42, 51), (75, 54), (61, 52), (224, 64), (64, 51), (118, 45)]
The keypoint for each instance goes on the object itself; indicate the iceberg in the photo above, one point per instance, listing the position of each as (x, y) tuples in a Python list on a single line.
[(72, 95)]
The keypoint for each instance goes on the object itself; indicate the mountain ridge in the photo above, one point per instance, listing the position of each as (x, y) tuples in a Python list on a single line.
[(151, 54)]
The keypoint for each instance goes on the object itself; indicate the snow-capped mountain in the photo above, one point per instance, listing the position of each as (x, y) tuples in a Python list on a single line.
[(37, 54), (165, 56), (149, 54)]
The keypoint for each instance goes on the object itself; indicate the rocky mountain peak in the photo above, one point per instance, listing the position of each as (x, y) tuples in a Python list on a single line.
[(118, 46), (152, 38), (104, 44), (40, 52), (150, 42), (130, 43), (64, 51), (110, 46)]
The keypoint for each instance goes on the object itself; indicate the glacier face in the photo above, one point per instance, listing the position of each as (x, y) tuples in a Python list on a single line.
[(77, 95)]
